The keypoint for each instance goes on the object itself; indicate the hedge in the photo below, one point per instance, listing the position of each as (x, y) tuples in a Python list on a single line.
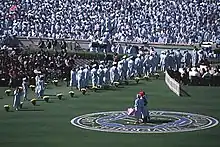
[(80, 55)]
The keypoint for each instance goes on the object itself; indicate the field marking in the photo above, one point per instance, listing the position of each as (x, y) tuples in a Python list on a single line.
[(77, 122)]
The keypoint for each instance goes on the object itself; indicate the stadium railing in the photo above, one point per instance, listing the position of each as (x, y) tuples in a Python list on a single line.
[(173, 84), (84, 44)]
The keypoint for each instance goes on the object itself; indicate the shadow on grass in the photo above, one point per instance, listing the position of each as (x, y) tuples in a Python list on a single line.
[(86, 94), (63, 99), (54, 98), (9, 95), (109, 89), (31, 110), (50, 102), (49, 94), (11, 111), (1, 98), (120, 86), (39, 100), (184, 93), (58, 86), (158, 121), (74, 97), (135, 84)]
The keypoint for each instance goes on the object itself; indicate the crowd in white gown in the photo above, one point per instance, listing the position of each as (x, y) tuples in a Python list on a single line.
[(135, 66), (165, 21), (128, 67)]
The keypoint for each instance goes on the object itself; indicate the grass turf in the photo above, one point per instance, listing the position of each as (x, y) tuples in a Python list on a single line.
[(48, 124)]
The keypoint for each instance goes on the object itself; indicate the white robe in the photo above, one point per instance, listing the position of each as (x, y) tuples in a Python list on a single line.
[(106, 75), (72, 78), (100, 73), (80, 79), (94, 77), (113, 74)]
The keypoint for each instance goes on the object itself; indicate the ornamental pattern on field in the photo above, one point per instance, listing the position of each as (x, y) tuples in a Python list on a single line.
[(161, 122)]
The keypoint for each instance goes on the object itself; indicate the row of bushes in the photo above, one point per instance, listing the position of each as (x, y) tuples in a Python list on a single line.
[(89, 55), (80, 55)]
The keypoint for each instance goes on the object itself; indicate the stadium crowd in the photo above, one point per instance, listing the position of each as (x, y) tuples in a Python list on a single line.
[(16, 65), (165, 21), (203, 76)]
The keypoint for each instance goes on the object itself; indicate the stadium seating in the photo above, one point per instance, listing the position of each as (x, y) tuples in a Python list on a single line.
[(125, 20)]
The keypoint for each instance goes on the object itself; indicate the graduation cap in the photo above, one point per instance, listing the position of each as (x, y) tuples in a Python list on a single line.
[(37, 72)]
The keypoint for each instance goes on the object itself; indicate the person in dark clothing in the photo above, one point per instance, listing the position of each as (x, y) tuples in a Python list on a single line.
[(94, 62), (54, 43), (41, 44), (63, 44), (48, 44)]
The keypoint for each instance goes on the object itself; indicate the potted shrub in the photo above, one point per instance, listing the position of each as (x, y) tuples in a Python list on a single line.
[(7, 107), (116, 84), (21, 105), (156, 75), (8, 92), (46, 98), (45, 84), (33, 101), (32, 87), (55, 82), (71, 93), (137, 79), (146, 77), (60, 95), (83, 90), (94, 88)]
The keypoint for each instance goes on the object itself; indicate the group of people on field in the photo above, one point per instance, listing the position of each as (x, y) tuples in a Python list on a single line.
[(22, 91)]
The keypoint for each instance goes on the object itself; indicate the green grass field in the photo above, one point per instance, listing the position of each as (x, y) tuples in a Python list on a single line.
[(48, 124)]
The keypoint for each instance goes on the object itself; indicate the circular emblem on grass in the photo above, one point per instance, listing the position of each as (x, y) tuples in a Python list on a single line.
[(161, 122)]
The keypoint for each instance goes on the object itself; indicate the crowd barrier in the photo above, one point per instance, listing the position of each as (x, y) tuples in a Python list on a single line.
[(172, 84), (74, 44)]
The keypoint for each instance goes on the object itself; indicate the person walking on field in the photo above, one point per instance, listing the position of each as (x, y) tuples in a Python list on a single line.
[(144, 108), (73, 78), (138, 107), (40, 88), (17, 98), (25, 88), (94, 75)]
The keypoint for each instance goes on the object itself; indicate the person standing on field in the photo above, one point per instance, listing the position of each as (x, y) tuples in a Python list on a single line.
[(25, 88), (40, 88), (17, 98), (94, 75), (73, 78), (80, 78), (137, 108)]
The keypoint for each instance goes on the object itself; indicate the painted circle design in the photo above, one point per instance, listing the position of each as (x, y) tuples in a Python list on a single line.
[(161, 122)]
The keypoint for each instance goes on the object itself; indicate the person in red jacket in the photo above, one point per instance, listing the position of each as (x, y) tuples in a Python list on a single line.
[(146, 117)]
